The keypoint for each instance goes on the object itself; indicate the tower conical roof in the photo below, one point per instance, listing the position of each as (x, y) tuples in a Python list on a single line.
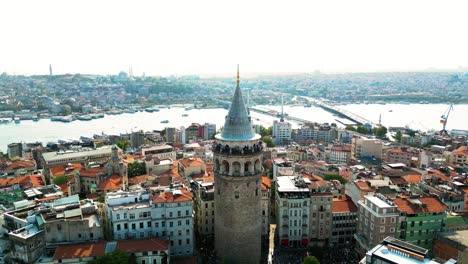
[(238, 124)]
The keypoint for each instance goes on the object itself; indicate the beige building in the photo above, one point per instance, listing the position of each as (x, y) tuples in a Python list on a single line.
[(377, 218), (320, 210), (64, 224), (404, 155), (459, 156), (340, 154), (191, 166), (160, 151), (266, 194), (365, 147)]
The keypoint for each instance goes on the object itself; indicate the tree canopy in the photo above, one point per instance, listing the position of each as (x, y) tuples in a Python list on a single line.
[(269, 142), (380, 132), (310, 260), (329, 177), (136, 169), (60, 180), (125, 144), (115, 257)]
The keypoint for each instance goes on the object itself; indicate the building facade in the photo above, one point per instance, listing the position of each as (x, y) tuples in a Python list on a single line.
[(238, 171), (377, 218)]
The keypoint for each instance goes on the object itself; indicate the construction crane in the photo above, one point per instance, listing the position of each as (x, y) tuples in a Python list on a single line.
[(444, 117)]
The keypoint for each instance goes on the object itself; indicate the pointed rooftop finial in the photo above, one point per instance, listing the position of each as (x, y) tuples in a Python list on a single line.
[(238, 75), (238, 123)]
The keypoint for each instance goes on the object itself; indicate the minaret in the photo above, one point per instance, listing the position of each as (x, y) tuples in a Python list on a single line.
[(238, 176), (50, 69), (282, 113)]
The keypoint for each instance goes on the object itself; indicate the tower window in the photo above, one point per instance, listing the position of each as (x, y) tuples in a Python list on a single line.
[(236, 195)]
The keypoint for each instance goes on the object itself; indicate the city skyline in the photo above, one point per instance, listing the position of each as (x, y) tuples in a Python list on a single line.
[(210, 37)]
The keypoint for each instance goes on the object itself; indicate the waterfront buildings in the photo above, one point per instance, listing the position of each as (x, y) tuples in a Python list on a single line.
[(238, 169), (313, 133), (403, 155), (281, 132), (15, 150)]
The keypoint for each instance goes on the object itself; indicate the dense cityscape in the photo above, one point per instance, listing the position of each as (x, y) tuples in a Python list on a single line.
[(240, 193)]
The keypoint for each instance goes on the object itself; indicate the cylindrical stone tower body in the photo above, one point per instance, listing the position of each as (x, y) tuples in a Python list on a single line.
[(238, 171)]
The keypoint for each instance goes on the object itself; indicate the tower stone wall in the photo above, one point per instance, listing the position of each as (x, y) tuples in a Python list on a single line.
[(238, 171)]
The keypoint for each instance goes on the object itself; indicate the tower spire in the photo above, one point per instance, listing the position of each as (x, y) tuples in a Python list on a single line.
[(238, 123), (282, 113)]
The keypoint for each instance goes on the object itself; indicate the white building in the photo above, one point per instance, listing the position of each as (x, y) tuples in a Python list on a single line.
[(281, 132), (136, 214), (292, 200)]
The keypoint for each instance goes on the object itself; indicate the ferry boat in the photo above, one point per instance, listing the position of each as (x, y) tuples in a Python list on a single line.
[(184, 115), (188, 108), (152, 109), (84, 117), (165, 121)]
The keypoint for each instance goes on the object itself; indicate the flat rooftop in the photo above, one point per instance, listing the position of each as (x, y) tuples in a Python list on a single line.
[(73, 154), (387, 253), (460, 236), (287, 184), (378, 202)]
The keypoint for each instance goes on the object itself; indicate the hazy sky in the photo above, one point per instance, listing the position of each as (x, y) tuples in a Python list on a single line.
[(182, 37)]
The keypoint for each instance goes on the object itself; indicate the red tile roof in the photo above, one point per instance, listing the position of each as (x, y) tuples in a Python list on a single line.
[(65, 169), (266, 183), (413, 178), (463, 150), (180, 195), (143, 245), (110, 184), (191, 162), (343, 204), (137, 179), (430, 204), (28, 181), (364, 186), (84, 250), (92, 172), (20, 164)]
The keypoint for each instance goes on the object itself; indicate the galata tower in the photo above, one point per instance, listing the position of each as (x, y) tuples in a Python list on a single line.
[(238, 171)]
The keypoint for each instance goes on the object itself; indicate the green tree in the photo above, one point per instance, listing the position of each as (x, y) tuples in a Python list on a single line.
[(136, 169), (268, 141), (380, 132), (398, 136), (266, 131), (329, 177), (60, 180), (123, 145), (310, 260), (350, 128), (115, 257), (362, 130)]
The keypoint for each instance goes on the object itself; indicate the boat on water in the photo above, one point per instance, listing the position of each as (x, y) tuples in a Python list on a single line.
[(390, 110), (17, 120), (35, 118), (188, 108), (184, 115), (84, 117), (152, 109), (5, 120), (130, 111), (165, 121)]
